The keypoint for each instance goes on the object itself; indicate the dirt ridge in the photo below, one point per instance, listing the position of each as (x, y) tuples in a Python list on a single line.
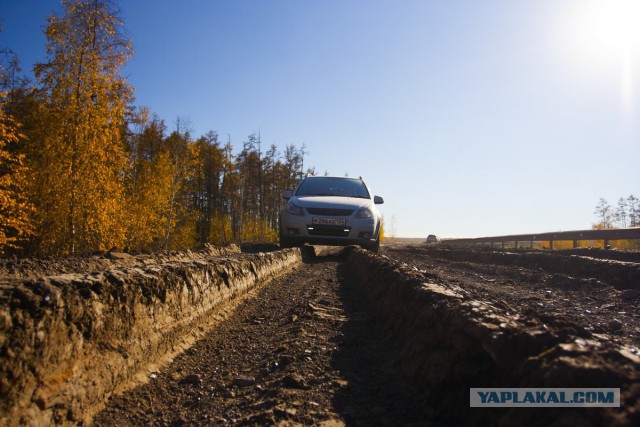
[(68, 341), (449, 342)]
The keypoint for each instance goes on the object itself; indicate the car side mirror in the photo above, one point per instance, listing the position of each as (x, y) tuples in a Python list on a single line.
[(378, 200), (287, 194)]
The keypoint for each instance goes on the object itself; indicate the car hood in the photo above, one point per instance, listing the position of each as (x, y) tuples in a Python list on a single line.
[(334, 202)]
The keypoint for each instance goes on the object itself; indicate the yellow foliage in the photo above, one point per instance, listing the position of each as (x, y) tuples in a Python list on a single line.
[(562, 244), (568, 244), (15, 209), (184, 234), (181, 214), (254, 230), (221, 230), (78, 158), (625, 244), (148, 203)]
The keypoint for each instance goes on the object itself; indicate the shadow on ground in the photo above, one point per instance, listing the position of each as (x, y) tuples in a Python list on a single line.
[(372, 395)]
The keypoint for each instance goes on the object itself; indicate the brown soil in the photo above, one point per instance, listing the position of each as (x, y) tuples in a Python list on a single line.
[(304, 350), (12, 269), (583, 306), (307, 350)]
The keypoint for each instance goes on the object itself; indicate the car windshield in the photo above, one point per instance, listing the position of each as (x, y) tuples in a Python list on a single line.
[(325, 186)]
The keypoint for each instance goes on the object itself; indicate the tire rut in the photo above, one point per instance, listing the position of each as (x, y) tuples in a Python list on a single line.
[(303, 351)]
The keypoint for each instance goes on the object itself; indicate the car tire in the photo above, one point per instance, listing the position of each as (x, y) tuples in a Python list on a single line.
[(285, 242), (373, 247)]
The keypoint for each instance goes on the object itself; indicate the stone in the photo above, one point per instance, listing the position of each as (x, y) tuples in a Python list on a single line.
[(294, 381), (244, 381), (191, 379), (614, 325)]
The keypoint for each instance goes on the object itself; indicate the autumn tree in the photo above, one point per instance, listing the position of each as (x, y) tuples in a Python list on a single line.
[(633, 205), (293, 166), (79, 162), (272, 185), (604, 213), (149, 184), (101, 174), (281, 172), (620, 215), (249, 166), (21, 100), (258, 180), (626, 213), (181, 215), (209, 179), (230, 210), (15, 209)]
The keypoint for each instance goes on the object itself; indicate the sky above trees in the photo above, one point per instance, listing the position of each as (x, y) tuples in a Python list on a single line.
[(469, 118)]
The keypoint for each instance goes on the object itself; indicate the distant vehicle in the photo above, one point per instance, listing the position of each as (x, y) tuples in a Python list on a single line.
[(335, 211), (432, 238)]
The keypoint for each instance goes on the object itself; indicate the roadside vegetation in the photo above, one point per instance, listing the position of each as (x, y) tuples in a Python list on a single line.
[(82, 169), (626, 213)]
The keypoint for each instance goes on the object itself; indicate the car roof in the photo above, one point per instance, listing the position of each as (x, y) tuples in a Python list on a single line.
[(334, 177)]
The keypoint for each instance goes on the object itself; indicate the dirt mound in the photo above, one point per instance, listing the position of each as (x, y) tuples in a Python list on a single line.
[(32, 268), (69, 341), (449, 336), (619, 274)]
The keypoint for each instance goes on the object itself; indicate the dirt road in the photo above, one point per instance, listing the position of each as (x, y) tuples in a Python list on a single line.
[(302, 350), (305, 349)]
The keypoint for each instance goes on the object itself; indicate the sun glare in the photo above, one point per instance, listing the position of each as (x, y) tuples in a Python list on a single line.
[(605, 35), (613, 25)]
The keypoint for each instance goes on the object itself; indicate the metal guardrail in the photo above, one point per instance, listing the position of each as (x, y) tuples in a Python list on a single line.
[(575, 236)]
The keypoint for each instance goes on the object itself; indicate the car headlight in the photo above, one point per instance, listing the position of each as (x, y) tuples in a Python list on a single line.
[(294, 210), (364, 213)]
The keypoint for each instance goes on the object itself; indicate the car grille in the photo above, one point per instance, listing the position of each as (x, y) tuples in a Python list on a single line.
[(330, 212), (328, 230)]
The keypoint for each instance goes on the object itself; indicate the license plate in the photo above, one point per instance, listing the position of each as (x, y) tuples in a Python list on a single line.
[(329, 221)]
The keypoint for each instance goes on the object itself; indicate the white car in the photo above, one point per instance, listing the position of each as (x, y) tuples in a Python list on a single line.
[(327, 210), (432, 238)]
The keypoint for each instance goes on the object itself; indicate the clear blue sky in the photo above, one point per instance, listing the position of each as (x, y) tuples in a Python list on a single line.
[(470, 118)]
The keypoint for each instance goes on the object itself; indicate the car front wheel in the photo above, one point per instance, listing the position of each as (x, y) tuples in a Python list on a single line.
[(373, 247), (285, 242)]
